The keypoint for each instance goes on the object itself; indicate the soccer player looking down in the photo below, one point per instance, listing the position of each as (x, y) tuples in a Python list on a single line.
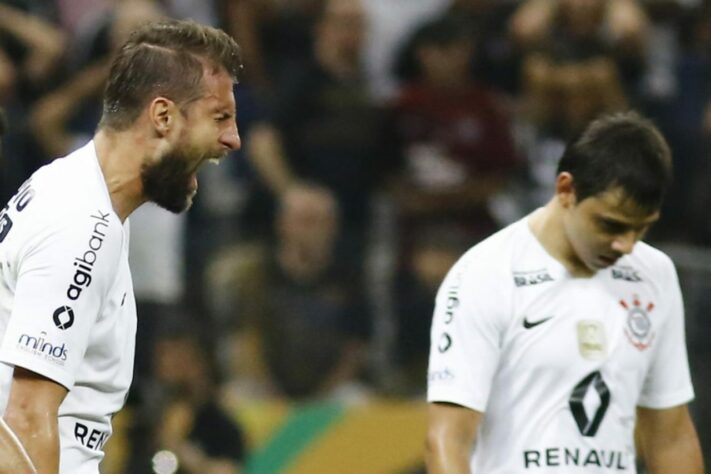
[(557, 336), (67, 311)]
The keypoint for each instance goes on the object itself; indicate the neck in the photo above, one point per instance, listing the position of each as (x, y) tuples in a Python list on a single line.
[(452, 85), (547, 226), (120, 164), (301, 263)]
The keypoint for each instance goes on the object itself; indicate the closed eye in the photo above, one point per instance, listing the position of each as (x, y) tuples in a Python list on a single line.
[(612, 227)]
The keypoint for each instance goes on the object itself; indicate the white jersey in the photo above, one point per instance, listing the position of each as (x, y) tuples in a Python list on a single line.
[(67, 309), (557, 364)]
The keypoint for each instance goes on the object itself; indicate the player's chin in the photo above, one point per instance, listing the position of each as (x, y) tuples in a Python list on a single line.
[(177, 203), (602, 262), (188, 201)]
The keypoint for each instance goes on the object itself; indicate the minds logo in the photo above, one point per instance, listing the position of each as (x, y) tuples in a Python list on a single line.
[(440, 376), (85, 263), (40, 346), (63, 317)]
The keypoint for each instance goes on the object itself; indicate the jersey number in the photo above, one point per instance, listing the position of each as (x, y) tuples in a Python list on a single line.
[(589, 424), (20, 201)]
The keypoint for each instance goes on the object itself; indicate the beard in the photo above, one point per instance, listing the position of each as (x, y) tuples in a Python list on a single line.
[(168, 181)]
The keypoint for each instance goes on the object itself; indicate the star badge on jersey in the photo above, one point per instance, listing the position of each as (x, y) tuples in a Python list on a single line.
[(639, 326)]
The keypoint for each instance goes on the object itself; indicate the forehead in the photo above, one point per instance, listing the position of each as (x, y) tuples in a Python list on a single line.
[(218, 93), (617, 205)]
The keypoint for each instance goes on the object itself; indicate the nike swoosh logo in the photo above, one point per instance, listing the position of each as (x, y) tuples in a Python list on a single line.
[(532, 324)]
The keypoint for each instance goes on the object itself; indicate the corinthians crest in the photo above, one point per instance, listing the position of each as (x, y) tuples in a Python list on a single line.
[(639, 327)]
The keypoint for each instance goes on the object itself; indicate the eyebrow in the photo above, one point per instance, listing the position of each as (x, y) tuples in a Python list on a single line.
[(224, 111), (622, 223)]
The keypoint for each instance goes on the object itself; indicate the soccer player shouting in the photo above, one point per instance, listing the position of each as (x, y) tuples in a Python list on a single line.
[(67, 312), (557, 336)]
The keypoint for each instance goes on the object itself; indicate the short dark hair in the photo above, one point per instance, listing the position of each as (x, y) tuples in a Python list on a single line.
[(621, 150), (166, 59), (441, 32)]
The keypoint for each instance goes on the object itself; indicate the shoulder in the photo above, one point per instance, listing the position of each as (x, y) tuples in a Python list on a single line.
[(652, 261), (70, 182), (650, 267), (69, 208), (50, 211)]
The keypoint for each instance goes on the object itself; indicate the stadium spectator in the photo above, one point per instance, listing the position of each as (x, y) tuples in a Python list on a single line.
[(455, 141), (31, 49), (454, 134), (389, 23), (585, 29), (298, 315), (193, 425), (559, 98), (576, 327), (326, 129), (431, 252), (689, 129), (496, 61), (275, 36)]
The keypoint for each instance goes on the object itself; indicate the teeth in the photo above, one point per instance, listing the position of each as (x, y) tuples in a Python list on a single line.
[(214, 161)]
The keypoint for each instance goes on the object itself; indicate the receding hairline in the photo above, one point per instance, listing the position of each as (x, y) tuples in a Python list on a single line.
[(209, 66), (205, 59)]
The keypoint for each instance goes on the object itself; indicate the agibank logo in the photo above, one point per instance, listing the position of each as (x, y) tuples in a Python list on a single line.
[(85, 263), (40, 346)]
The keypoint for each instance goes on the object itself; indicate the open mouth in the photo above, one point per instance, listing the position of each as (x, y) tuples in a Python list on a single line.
[(215, 160)]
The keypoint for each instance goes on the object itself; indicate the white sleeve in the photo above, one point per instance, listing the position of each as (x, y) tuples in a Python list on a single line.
[(466, 336), (63, 278), (668, 381)]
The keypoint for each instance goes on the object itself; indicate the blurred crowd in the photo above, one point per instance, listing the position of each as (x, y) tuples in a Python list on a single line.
[(381, 139)]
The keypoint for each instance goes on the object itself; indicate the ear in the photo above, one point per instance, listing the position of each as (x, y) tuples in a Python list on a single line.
[(565, 190), (161, 113)]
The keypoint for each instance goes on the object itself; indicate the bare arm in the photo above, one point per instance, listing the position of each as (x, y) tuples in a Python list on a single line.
[(451, 434), (244, 18), (8, 77), (668, 441), (629, 26), (530, 22), (266, 152), (13, 457), (51, 113), (45, 41), (32, 415)]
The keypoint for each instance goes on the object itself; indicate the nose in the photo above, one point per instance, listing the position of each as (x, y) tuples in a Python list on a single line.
[(624, 243), (230, 138)]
